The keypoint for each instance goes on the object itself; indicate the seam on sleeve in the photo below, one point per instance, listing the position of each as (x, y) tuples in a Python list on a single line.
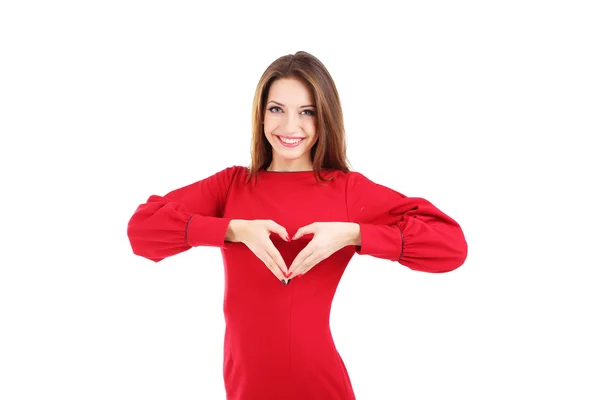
[(186, 229), (402, 250), (236, 168), (346, 197)]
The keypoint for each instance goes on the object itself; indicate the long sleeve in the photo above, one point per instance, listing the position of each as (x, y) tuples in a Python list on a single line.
[(408, 230), (183, 218)]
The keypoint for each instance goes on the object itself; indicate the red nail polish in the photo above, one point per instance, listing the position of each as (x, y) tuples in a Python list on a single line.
[(288, 238), (299, 275)]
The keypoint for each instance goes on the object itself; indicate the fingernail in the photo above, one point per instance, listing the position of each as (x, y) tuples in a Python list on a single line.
[(288, 238), (283, 281), (299, 275)]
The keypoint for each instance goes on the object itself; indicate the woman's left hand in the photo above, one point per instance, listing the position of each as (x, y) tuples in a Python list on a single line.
[(328, 238)]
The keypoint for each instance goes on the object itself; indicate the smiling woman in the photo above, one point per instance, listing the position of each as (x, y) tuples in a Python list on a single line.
[(278, 344), (290, 128), (296, 98)]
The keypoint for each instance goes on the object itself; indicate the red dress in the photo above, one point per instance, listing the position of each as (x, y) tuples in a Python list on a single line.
[(278, 343)]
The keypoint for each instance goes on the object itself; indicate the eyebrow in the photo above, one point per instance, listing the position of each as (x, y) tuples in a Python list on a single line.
[(273, 101)]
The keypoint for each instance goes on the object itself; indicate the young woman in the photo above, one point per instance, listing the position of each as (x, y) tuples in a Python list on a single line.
[(279, 288)]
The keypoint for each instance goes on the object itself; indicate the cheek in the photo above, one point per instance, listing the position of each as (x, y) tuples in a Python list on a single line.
[(270, 129)]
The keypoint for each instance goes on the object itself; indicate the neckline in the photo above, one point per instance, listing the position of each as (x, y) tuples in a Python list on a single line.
[(292, 176), (286, 172), (264, 169)]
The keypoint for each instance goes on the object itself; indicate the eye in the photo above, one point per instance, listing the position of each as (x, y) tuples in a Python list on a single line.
[(311, 112)]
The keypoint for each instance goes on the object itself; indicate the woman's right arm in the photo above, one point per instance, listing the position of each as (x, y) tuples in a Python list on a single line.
[(183, 218)]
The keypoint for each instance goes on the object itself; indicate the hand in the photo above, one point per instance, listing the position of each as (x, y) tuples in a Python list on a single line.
[(328, 238), (255, 235)]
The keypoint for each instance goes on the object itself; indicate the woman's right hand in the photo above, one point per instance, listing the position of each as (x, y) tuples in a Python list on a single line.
[(255, 235)]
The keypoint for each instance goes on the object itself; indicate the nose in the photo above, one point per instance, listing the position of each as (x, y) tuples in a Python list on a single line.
[(291, 123)]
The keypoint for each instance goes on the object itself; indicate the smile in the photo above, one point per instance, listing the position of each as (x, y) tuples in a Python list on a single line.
[(290, 142)]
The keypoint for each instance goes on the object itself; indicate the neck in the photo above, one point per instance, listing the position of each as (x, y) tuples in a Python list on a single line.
[(288, 168)]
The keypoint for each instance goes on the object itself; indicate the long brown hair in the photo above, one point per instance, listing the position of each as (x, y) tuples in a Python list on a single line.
[(329, 151)]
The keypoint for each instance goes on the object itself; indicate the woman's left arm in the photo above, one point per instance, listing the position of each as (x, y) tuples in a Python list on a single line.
[(407, 230)]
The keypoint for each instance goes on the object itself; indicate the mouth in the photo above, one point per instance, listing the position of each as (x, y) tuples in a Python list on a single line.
[(291, 141)]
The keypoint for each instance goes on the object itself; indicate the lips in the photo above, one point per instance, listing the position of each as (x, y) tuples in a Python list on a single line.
[(289, 145), (291, 137)]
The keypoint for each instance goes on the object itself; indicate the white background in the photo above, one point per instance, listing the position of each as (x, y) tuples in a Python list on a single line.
[(487, 109)]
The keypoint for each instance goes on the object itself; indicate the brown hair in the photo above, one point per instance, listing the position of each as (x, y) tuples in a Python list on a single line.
[(329, 151)]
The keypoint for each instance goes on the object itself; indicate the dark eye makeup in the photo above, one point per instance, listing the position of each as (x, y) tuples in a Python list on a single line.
[(310, 111)]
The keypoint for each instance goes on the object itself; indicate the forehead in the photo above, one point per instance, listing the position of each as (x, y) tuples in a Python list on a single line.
[(290, 91)]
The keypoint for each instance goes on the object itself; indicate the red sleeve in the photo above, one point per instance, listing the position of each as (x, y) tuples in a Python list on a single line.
[(409, 230), (183, 218)]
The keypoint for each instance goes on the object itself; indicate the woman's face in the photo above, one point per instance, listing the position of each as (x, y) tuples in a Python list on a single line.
[(290, 115)]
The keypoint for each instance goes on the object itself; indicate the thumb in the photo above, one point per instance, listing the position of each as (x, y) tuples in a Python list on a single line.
[(303, 231), (280, 230)]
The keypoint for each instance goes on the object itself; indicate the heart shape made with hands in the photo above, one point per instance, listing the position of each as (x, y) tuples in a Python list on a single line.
[(302, 239), (321, 240)]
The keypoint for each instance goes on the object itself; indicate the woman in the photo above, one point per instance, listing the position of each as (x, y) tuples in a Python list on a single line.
[(278, 344)]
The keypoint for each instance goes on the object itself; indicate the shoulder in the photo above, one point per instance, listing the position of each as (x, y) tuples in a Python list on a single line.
[(240, 168), (356, 179), (224, 176), (359, 184), (235, 168), (237, 174), (232, 170)]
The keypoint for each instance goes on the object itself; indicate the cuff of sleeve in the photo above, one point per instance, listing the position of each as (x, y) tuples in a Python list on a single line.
[(381, 241), (206, 231)]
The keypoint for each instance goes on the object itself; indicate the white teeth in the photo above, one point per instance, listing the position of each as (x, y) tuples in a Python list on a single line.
[(290, 141)]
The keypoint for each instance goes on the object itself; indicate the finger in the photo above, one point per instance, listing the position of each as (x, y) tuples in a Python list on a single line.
[(277, 258), (309, 262), (270, 263), (302, 268), (304, 230), (278, 229), (299, 260), (299, 272)]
